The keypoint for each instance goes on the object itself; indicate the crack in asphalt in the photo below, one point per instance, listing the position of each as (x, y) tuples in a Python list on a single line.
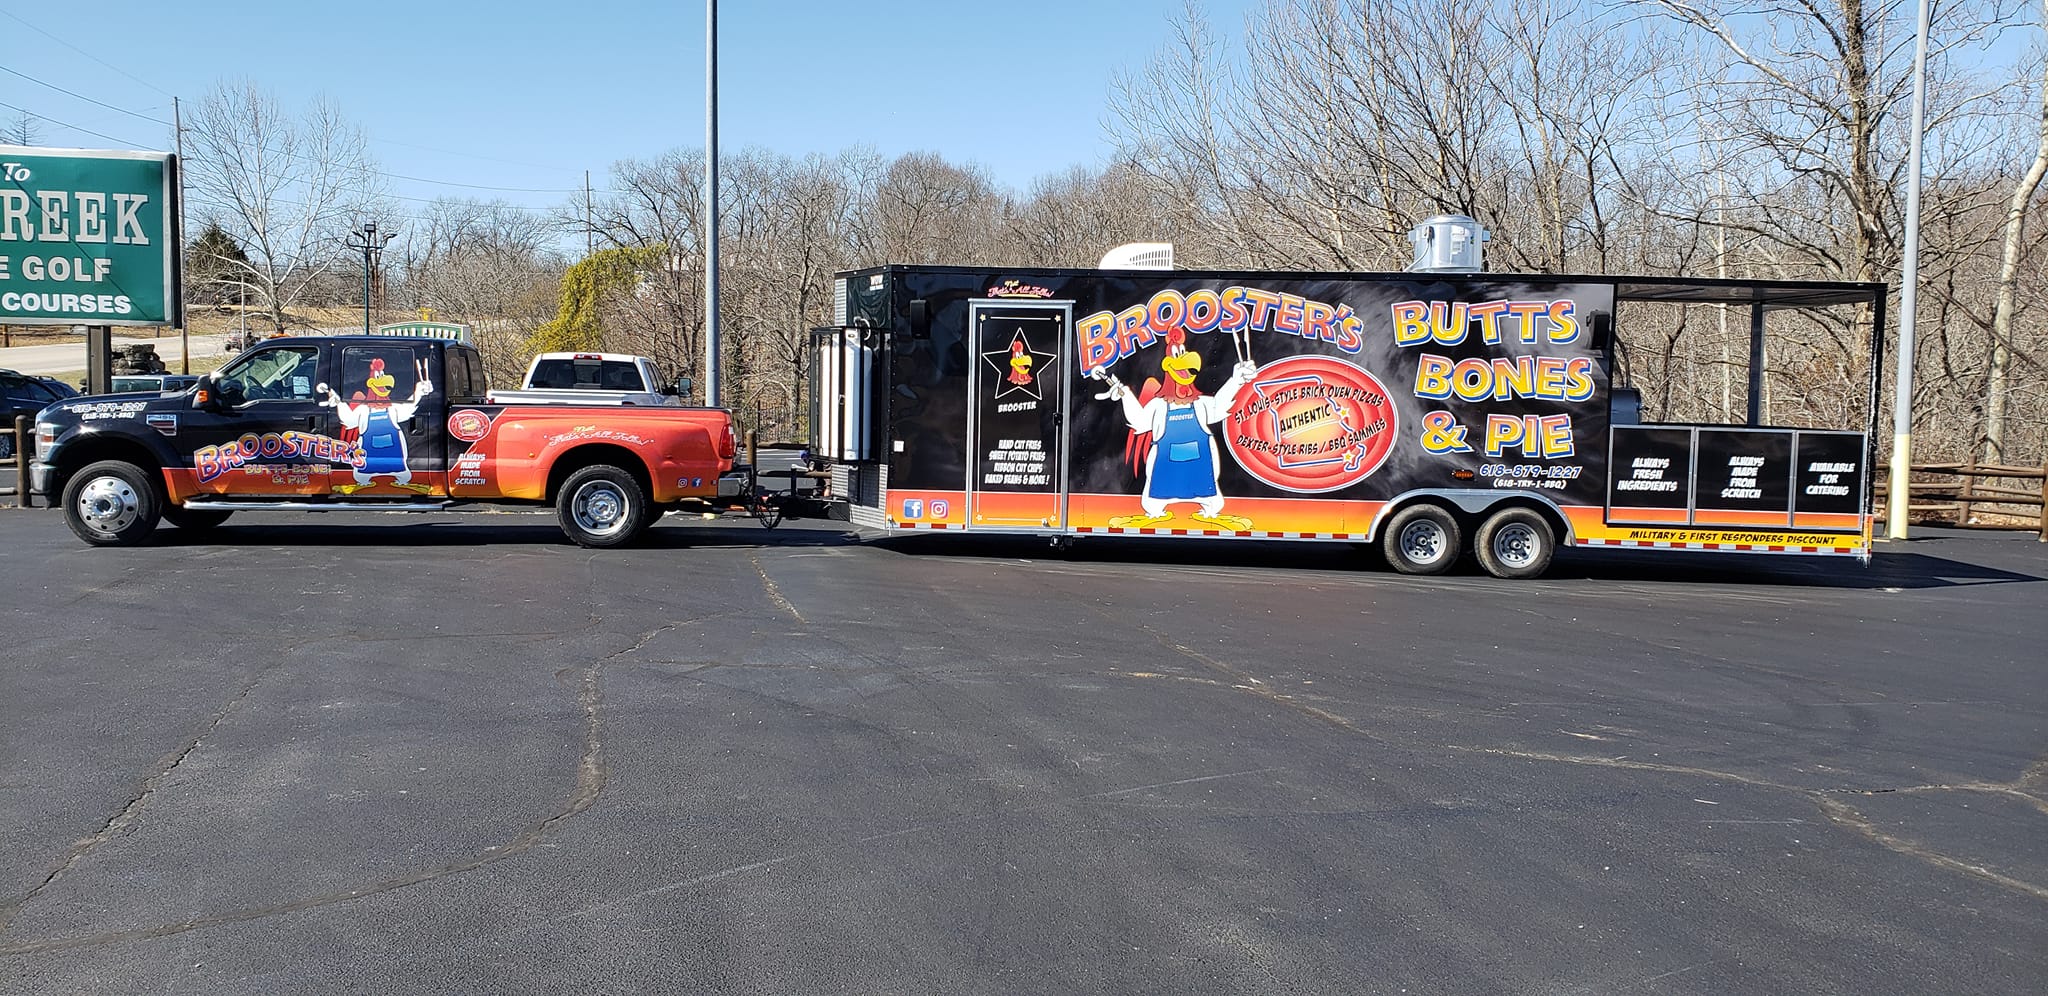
[(124, 817), (774, 593), (592, 773), (917, 828), (1839, 813)]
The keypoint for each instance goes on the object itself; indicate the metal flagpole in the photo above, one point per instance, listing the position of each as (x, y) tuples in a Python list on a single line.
[(711, 203), (1909, 285)]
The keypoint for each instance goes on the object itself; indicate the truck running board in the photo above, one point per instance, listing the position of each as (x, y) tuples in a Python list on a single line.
[(316, 506)]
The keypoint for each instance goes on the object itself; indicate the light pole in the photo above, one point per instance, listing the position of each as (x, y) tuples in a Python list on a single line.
[(371, 243), (1900, 497), (711, 355)]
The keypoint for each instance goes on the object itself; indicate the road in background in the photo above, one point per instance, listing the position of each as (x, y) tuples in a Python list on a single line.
[(362, 753), (65, 357)]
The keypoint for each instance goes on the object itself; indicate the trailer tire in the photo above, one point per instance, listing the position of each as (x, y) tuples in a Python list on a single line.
[(1422, 539), (1515, 543), (603, 506), (195, 519), (112, 503)]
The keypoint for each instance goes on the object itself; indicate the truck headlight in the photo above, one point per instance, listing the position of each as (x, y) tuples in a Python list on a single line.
[(46, 435)]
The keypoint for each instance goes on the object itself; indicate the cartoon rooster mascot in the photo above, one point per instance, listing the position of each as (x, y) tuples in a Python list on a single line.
[(1020, 363), (1170, 438), (375, 422)]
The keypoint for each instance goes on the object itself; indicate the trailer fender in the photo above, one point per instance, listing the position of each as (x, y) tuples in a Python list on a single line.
[(1475, 503)]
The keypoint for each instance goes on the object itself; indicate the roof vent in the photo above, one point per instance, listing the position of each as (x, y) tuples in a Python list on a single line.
[(1138, 256), (1449, 243)]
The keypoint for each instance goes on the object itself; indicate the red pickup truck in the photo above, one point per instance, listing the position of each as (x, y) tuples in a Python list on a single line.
[(322, 423)]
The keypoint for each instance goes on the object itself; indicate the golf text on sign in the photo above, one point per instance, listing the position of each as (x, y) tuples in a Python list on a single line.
[(87, 237)]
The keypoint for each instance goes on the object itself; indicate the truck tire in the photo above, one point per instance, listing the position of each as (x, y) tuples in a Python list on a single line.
[(194, 518), (1515, 543), (603, 506), (1421, 539), (112, 503)]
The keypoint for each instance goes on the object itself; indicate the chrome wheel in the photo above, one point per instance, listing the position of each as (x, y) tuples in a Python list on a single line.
[(1516, 545), (599, 508), (108, 504), (1424, 541)]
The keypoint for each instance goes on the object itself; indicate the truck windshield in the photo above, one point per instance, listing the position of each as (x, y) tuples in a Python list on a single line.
[(587, 374)]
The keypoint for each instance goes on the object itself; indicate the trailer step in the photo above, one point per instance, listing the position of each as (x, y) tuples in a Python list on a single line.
[(316, 506)]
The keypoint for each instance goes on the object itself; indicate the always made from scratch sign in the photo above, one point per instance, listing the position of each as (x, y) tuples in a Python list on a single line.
[(88, 237)]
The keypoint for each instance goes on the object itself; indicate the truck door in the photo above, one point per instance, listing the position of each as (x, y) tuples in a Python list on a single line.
[(389, 403), (256, 437), (1016, 386)]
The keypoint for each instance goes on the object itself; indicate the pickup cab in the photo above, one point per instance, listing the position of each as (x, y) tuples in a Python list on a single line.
[(323, 423), (592, 379)]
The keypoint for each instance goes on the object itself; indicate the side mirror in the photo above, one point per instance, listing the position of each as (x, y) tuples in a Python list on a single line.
[(682, 388), (225, 393)]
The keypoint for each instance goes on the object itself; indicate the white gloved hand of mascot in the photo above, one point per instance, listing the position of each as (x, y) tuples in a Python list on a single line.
[(1245, 370)]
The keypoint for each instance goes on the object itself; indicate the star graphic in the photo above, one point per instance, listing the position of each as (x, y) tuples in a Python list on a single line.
[(1042, 365)]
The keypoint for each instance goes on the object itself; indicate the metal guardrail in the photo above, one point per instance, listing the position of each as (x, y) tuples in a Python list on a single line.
[(1959, 495)]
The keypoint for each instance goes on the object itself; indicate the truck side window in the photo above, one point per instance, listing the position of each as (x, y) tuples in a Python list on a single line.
[(286, 373), (465, 380), (378, 373)]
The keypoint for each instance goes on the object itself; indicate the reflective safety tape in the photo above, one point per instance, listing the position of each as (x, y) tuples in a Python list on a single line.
[(1719, 547)]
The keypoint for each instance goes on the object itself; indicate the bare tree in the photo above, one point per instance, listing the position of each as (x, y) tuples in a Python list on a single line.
[(286, 188), (21, 131), (1995, 388)]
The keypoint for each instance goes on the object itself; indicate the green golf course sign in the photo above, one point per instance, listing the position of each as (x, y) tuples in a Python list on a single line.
[(88, 237)]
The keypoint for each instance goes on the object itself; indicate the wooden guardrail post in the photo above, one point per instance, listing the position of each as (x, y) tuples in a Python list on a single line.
[(24, 436), (1969, 475), (2044, 499)]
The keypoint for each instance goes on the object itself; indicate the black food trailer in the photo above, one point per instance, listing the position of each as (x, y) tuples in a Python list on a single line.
[(1431, 413)]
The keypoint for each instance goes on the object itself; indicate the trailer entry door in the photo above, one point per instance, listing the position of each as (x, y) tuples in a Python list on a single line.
[(1016, 404)]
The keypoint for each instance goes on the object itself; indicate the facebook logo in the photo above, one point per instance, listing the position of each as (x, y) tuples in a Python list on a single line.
[(913, 508)]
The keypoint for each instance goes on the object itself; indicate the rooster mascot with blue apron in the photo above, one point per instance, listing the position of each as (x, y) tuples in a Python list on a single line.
[(1170, 438), (375, 422)]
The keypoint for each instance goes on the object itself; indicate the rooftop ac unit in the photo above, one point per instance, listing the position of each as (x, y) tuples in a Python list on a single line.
[(1449, 243), (1138, 256)]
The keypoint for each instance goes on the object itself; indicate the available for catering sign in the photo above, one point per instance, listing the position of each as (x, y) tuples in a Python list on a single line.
[(88, 237)]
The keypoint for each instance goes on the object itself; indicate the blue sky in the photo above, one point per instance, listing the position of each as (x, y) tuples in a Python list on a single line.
[(535, 93)]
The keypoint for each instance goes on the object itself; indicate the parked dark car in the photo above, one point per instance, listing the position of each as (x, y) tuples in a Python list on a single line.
[(21, 394), (63, 390), (130, 383)]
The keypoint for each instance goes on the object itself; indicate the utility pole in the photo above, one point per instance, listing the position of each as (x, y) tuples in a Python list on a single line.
[(711, 203), (370, 243), (589, 232)]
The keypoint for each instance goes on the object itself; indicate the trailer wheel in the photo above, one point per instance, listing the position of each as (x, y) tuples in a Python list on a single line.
[(194, 518), (112, 503), (602, 506), (1421, 539), (1515, 543)]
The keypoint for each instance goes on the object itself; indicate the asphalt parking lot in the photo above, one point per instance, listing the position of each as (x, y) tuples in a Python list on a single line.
[(378, 754)]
